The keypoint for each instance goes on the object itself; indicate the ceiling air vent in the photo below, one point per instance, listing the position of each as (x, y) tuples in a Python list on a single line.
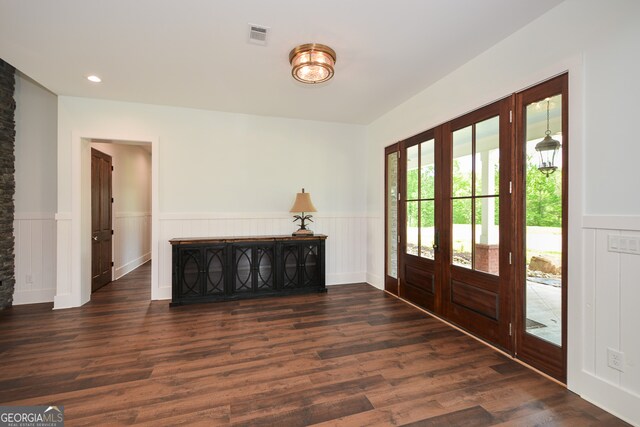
[(258, 34)]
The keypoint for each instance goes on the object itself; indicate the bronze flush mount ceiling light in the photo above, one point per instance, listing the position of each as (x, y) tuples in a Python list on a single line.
[(312, 63)]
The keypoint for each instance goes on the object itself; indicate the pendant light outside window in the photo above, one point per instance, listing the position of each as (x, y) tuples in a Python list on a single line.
[(547, 149), (312, 63)]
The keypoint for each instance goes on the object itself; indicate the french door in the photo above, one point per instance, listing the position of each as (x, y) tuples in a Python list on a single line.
[(455, 215), (476, 223), (477, 208), (419, 220)]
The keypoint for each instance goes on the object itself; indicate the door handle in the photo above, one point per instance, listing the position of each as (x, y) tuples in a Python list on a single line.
[(436, 240), (95, 238)]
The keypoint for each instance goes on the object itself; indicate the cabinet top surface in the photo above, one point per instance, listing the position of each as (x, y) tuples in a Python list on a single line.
[(226, 239)]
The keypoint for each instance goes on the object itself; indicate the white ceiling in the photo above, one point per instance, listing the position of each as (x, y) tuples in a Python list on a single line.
[(195, 53)]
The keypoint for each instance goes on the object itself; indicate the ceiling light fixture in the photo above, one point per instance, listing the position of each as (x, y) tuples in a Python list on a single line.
[(94, 79), (312, 63)]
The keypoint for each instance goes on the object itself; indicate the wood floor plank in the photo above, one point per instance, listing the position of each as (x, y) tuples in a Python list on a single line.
[(351, 357), (475, 416), (311, 414)]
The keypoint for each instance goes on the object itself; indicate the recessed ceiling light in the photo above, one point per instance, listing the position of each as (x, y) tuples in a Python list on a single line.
[(94, 79)]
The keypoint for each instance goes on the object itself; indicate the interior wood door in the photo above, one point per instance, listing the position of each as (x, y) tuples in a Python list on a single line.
[(101, 220), (419, 220), (476, 237)]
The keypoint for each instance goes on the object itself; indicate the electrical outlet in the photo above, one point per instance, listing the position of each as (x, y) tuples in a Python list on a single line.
[(615, 359), (28, 279)]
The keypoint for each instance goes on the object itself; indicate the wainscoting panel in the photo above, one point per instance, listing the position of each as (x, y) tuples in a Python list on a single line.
[(63, 297), (611, 295), (35, 252), (375, 251), (346, 247), (131, 241)]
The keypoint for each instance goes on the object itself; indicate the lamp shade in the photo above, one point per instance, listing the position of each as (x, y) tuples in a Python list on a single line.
[(303, 203)]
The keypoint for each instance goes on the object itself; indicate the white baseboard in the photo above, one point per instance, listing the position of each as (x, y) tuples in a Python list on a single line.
[(375, 280), (131, 265), (162, 293), (33, 297), (621, 403), (344, 278), (64, 301)]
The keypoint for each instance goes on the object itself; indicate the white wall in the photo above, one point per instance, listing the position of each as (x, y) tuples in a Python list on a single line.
[(218, 174), (34, 228), (597, 42), (131, 189)]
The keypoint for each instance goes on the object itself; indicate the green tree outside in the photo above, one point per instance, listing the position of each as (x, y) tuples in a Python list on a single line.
[(543, 207)]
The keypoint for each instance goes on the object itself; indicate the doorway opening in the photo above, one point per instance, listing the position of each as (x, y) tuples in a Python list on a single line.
[(121, 212)]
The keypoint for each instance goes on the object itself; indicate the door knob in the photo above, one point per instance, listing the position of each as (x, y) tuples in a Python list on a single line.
[(95, 238)]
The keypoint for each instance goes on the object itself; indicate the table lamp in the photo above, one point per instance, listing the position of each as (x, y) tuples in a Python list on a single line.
[(303, 204)]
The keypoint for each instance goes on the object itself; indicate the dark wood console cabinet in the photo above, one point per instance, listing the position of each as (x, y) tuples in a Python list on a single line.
[(229, 268)]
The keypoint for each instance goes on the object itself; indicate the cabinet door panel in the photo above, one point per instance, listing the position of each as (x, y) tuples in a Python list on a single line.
[(311, 265), (264, 268), (190, 268), (242, 280), (215, 270), (290, 259)]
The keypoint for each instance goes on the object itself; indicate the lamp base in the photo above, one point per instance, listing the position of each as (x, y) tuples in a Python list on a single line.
[(303, 232)]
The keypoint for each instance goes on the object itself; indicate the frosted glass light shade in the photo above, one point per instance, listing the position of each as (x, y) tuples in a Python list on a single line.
[(312, 63)]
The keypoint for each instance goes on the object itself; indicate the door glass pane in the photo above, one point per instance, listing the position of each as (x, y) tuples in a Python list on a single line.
[(427, 223), (461, 233), (462, 166), (427, 169), (487, 249), (412, 173), (487, 157), (543, 228), (392, 215), (412, 227)]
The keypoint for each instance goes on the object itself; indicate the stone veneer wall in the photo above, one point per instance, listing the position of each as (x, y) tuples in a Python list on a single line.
[(7, 183)]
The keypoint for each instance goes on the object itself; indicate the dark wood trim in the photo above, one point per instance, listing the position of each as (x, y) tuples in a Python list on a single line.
[(535, 351)]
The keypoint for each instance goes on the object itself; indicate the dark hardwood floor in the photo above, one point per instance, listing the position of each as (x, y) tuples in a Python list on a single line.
[(354, 356)]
